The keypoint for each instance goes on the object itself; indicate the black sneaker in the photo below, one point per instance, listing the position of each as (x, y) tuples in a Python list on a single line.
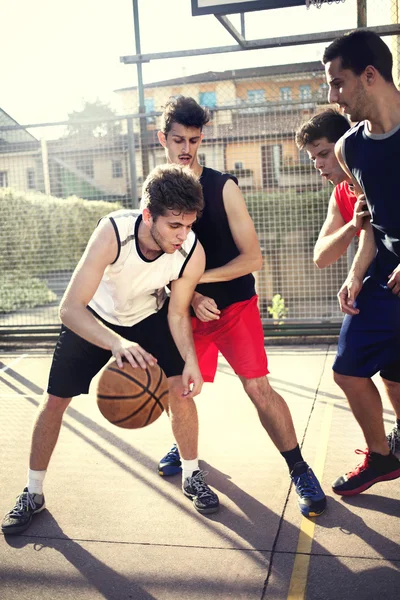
[(311, 498), (20, 517), (204, 499), (394, 440), (375, 467), (171, 463)]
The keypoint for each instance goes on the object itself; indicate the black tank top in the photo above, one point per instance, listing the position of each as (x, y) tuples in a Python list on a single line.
[(214, 233)]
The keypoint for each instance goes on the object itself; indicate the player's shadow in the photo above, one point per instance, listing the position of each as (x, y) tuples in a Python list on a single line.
[(353, 525), (97, 574), (255, 517), (337, 516)]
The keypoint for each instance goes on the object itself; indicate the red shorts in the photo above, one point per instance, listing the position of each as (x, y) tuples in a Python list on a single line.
[(238, 334)]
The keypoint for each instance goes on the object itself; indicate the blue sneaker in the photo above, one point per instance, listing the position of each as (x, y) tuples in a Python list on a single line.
[(171, 463), (311, 498)]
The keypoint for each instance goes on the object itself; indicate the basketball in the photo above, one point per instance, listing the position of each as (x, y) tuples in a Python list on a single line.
[(132, 398)]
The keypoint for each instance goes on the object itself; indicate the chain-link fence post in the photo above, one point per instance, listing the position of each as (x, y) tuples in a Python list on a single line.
[(132, 164)]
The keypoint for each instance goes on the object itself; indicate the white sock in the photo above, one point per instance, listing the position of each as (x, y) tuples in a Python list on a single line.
[(35, 481), (188, 466)]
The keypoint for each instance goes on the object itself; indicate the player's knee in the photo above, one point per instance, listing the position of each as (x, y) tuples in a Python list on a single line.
[(392, 386), (351, 384), (175, 390), (258, 389), (55, 404)]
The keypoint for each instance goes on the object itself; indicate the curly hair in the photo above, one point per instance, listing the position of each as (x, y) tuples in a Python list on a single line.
[(329, 124), (172, 187), (185, 111)]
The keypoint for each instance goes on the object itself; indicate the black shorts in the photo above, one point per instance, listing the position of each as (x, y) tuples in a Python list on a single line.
[(76, 361)]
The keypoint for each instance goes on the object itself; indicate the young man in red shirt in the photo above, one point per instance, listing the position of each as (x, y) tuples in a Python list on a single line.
[(225, 303)]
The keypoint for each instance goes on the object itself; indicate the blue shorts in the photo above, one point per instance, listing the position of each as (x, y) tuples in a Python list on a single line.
[(370, 341)]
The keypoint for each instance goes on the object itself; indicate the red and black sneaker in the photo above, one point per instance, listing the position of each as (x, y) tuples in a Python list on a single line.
[(375, 467)]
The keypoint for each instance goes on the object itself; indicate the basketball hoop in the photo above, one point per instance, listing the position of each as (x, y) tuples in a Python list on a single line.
[(319, 3)]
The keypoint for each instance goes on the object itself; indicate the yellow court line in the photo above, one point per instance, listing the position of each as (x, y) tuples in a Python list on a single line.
[(298, 581)]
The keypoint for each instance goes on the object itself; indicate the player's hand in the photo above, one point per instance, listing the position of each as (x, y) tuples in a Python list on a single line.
[(133, 353), (360, 212), (347, 295), (205, 308), (394, 281), (191, 379)]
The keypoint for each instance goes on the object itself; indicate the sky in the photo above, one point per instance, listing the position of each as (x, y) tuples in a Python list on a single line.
[(54, 54)]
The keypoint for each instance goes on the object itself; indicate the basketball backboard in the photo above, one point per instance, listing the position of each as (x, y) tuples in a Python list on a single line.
[(225, 7)]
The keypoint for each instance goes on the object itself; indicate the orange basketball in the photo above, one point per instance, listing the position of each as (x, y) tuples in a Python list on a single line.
[(132, 398)]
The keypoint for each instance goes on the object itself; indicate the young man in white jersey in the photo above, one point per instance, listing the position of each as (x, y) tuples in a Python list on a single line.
[(225, 303), (116, 305)]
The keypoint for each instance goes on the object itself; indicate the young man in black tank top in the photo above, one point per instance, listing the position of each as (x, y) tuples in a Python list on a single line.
[(359, 73), (225, 303)]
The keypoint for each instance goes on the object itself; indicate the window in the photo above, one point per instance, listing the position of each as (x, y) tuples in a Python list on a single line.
[(255, 96), (304, 158), (208, 99), (202, 159), (31, 179), (305, 92), (86, 165), (323, 92), (150, 107), (239, 166), (3, 179), (285, 93), (116, 169)]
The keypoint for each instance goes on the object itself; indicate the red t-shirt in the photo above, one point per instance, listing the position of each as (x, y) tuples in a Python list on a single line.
[(345, 199)]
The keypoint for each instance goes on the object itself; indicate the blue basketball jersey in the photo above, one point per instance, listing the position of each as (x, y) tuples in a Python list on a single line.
[(374, 161)]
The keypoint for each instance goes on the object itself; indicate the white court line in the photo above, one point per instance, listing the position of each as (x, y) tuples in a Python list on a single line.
[(16, 395), (13, 362)]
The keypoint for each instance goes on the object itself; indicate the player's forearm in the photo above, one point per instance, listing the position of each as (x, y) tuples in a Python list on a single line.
[(239, 266), (364, 255), (83, 323), (329, 248), (181, 330)]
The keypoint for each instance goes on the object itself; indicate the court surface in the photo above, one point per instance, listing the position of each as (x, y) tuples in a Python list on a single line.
[(114, 529)]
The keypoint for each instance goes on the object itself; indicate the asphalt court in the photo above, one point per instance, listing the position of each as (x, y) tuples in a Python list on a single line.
[(114, 529)]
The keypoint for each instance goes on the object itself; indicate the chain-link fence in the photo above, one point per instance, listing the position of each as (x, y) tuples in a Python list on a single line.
[(57, 180)]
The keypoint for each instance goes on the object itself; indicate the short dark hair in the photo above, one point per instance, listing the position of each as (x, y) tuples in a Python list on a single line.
[(329, 124), (185, 111), (361, 48), (172, 187)]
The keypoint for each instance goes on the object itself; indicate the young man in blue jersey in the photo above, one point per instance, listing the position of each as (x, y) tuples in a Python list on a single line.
[(359, 74), (116, 305), (225, 302), (346, 213)]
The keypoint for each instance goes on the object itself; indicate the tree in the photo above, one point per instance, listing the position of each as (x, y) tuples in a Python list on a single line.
[(95, 119)]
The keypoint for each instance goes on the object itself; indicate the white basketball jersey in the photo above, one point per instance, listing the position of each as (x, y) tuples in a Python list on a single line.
[(133, 287)]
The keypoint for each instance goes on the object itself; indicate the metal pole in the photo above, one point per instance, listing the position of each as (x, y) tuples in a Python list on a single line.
[(242, 26), (361, 13), (132, 164), (142, 108)]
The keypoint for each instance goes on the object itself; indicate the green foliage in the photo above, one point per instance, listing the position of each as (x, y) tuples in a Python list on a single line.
[(277, 310), (23, 292), (277, 214), (40, 233), (93, 120)]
